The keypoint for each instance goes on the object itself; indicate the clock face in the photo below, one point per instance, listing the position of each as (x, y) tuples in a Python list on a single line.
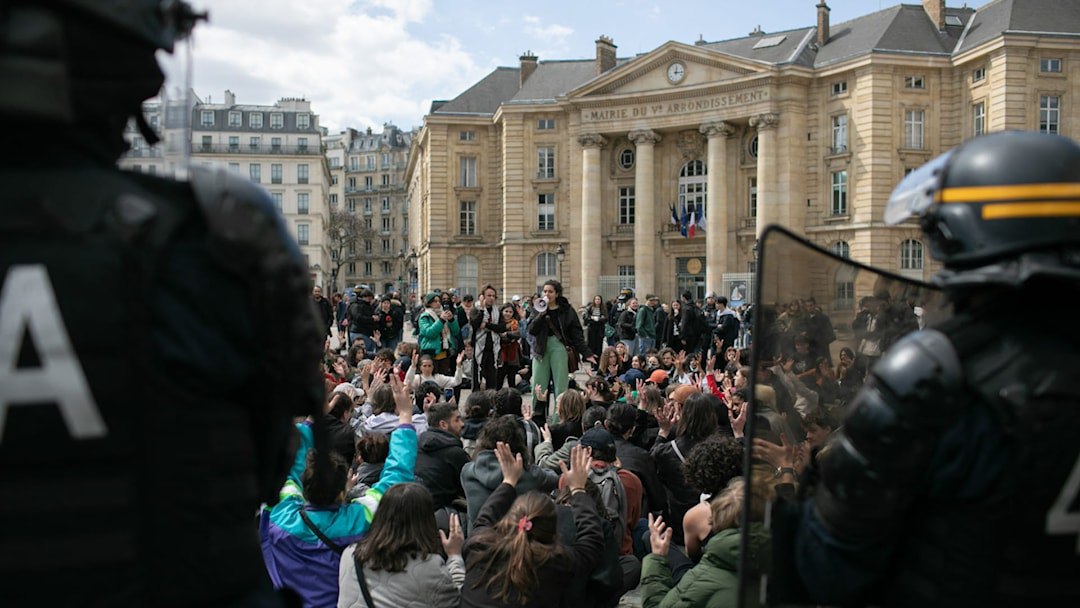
[(676, 72)]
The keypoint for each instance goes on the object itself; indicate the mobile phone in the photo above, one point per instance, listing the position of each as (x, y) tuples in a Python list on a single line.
[(448, 394)]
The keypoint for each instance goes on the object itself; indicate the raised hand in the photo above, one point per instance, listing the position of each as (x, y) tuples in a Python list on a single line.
[(665, 417), (540, 393), (545, 433), (402, 401), (453, 542), (776, 455), (526, 410), (738, 423), (580, 463), (510, 463), (659, 535)]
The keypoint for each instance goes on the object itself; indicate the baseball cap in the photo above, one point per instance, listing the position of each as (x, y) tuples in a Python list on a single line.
[(658, 376), (516, 298), (632, 375), (602, 443)]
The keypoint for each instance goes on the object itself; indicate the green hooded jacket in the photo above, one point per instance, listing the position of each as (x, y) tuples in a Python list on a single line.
[(712, 583)]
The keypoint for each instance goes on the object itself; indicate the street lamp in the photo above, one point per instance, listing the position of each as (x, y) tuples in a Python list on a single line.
[(401, 272), (560, 254)]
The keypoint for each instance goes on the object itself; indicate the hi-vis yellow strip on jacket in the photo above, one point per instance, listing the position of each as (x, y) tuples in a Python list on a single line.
[(1025, 200)]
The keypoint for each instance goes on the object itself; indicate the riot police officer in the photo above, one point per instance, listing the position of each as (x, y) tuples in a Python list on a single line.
[(955, 479), (156, 336)]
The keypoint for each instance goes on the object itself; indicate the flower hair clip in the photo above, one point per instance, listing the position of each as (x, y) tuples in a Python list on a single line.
[(524, 524)]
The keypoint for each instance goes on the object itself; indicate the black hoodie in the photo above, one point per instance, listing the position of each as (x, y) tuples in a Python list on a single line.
[(439, 460)]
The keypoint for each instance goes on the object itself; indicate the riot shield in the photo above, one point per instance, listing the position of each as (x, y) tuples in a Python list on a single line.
[(820, 322)]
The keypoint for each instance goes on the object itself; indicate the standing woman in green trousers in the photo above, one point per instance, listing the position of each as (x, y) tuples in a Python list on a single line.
[(554, 329)]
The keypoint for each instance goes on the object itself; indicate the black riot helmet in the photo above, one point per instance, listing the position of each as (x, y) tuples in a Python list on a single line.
[(1001, 208), (85, 62)]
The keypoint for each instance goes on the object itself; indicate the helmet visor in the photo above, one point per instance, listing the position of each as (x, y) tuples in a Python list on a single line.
[(914, 194)]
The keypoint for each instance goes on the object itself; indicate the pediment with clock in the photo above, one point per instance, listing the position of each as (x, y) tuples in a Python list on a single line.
[(671, 66)]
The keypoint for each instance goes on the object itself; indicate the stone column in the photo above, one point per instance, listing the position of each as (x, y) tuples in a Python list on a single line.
[(716, 214), (766, 171), (590, 215), (644, 212)]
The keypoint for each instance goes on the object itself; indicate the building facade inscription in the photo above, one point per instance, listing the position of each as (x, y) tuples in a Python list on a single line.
[(669, 108)]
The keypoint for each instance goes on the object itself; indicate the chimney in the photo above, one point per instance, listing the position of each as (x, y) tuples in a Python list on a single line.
[(528, 66), (757, 31), (230, 98), (822, 24), (936, 10), (605, 54)]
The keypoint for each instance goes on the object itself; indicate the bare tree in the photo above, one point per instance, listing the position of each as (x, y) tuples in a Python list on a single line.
[(346, 232)]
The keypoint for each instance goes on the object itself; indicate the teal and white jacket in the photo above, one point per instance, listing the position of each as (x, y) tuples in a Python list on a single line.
[(295, 558)]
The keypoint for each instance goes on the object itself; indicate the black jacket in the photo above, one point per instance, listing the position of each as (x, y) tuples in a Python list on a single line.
[(681, 496), (641, 463), (390, 322), (326, 313), (439, 459), (360, 315), (627, 327), (565, 318)]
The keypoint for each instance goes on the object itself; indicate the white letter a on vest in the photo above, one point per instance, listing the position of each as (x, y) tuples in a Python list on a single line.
[(28, 306)]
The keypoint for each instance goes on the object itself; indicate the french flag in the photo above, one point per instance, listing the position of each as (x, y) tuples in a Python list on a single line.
[(691, 223)]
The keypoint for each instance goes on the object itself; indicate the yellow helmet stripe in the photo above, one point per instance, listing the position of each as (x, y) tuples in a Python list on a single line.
[(983, 194), (1031, 209)]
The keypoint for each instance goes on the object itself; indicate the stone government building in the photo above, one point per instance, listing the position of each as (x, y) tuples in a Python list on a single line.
[(810, 128)]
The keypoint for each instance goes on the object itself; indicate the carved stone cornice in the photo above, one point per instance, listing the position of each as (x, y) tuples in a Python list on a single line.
[(765, 121), (644, 136), (592, 140), (717, 129)]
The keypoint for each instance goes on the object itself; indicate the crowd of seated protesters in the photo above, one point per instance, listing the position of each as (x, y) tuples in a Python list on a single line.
[(418, 489)]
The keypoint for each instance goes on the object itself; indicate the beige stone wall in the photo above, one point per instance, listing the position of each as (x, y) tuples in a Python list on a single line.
[(802, 161)]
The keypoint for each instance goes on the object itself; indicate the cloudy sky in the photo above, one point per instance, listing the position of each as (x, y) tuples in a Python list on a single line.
[(367, 62)]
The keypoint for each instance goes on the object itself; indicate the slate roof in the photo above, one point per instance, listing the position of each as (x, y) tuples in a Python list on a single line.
[(1048, 16), (904, 28), (554, 78), (486, 96)]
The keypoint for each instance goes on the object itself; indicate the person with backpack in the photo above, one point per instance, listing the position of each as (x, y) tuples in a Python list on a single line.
[(621, 495)]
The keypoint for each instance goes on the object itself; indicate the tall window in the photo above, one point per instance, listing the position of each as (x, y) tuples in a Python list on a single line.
[(1049, 113), (545, 163), (301, 144), (354, 163), (369, 162), (385, 179), (277, 120), (367, 269), (839, 133), (235, 119), (385, 159), (692, 187), (386, 245), (914, 127), (255, 120), (277, 198), (369, 182), (367, 205), (302, 174), (978, 118), (547, 268), (385, 268), (302, 202), (467, 275), (752, 196), (626, 205), (367, 246), (978, 74), (386, 204), (839, 193), (911, 255), (467, 172), (385, 225), (467, 218), (254, 143), (627, 277), (303, 234), (275, 173), (207, 118), (303, 121), (545, 211), (234, 143), (275, 144), (255, 172), (841, 248)]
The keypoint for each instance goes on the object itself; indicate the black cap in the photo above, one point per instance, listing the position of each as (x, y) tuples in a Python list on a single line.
[(602, 443)]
